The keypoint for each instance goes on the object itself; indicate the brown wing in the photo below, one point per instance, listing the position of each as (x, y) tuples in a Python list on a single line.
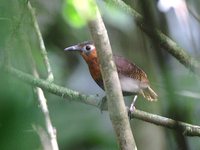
[(129, 69)]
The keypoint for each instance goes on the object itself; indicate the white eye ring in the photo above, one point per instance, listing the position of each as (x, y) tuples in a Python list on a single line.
[(89, 48)]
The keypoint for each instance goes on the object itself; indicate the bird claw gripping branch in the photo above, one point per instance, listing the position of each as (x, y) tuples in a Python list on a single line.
[(133, 80)]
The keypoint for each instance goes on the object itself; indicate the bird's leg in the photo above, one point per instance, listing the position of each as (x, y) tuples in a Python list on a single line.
[(132, 107)]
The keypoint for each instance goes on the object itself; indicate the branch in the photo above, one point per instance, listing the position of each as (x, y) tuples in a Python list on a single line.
[(185, 128), (53, 88), (43, 137), (51, 138), (163, 41), (43, 51), (116, 105)]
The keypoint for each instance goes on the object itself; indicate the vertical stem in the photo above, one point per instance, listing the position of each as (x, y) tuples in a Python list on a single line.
[(50, 76), (116, 106), (39, 92)]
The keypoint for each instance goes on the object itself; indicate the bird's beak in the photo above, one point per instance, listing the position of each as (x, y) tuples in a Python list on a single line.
[(73, 48)]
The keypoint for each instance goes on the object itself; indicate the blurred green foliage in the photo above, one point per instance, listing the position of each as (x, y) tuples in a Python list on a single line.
[(80, 126), (77, 12)]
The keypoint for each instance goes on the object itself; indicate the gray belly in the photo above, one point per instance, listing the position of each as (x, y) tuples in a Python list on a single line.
[(130, 85)]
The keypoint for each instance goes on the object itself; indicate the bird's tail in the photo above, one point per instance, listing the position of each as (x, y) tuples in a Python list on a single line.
[(149, 94)]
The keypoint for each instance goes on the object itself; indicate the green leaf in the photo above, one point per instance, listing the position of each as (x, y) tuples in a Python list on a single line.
[(77, 12)]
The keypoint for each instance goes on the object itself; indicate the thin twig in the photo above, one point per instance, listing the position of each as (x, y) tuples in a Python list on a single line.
[(43, 105), (116, 106), (50, 129), (43, 51), (39, 92), (185, 128), (43, 137), (190, 130)]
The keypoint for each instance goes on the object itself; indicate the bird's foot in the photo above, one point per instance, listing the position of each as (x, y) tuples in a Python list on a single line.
[(103, 104), (130, 111), (132, 107)]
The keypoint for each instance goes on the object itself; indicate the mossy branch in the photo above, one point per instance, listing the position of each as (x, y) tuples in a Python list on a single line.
[(184, 128), (53, 88), (160, 38)]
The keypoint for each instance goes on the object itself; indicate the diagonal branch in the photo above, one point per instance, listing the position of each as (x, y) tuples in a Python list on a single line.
[(163, 41), (116, 105), (43, 51), (53, 88), (39, 92), (185, 128)]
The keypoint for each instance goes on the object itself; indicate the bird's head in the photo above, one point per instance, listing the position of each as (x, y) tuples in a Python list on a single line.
[(86, 49)]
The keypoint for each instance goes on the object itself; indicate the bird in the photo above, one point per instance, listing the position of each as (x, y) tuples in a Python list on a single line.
[(133, 79)]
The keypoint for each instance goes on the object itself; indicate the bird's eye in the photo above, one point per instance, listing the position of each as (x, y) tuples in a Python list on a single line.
[(88, 48)]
